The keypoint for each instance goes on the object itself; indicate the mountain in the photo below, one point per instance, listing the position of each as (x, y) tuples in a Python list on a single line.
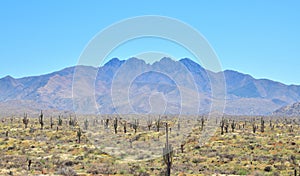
[(134, 86), (290, 110)]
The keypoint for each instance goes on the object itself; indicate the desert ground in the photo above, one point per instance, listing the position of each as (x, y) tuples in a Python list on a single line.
[(133, 145)]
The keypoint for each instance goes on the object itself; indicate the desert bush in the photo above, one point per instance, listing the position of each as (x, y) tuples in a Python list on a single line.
[(102, 168), (66, 171)]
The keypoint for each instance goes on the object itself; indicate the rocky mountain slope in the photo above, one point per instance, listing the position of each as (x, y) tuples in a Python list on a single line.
[(133, 86), (290, 110)]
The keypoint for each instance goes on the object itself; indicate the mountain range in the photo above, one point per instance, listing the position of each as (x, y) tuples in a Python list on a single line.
[(134, 86)]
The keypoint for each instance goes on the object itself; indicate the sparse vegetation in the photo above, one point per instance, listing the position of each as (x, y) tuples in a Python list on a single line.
[(273, 150)]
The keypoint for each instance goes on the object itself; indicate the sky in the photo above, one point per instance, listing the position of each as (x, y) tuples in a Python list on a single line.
[(260, 38)]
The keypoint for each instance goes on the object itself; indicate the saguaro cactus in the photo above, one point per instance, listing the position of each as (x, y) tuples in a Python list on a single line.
[(116, 125), (158, 124), (72, 121), (202, 123), (41, 119), (86, 124), (149, 123), (125, 124), (29, 164), (51, 122), (222, 123), (25, 120), (106, 123), (226, 127), (135, 125), (233, 125), (168, 153), (79, 135), (254, 127), (262, 125), (59, 121), (182, 147)]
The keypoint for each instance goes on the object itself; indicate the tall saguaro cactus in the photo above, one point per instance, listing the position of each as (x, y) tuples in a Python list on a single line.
[(86, 124), (79, 135), (135, 125), (168, 153), (51, 122), (59, 121), (25, 120), (158, 124), (233, 125), (116, 125), (41, 120), (254, 127), (149, 123), (124, 125), (202, 123), (262, 125), (222, 124)]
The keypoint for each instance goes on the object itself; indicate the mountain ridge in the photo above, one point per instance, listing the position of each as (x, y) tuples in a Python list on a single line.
[(244, 94)]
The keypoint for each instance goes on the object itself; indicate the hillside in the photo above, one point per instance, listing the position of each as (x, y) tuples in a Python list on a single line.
[(290, 110), (133, 86)]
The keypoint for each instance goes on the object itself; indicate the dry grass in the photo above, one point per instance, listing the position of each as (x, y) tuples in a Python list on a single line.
[(276, 151)]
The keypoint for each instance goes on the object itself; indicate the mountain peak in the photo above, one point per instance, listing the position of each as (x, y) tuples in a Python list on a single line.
[(191, 65), (187, 60), (166, 59), (134, 59), (114, 62), (8, 78)]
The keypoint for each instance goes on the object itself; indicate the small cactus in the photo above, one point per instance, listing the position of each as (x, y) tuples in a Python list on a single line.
[(182, 147)]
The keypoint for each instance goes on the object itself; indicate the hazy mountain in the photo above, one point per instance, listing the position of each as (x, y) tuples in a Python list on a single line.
[(133, 86), (290, 110)]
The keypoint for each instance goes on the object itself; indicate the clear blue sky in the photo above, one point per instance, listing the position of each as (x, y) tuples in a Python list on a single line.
[(261, 38)]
